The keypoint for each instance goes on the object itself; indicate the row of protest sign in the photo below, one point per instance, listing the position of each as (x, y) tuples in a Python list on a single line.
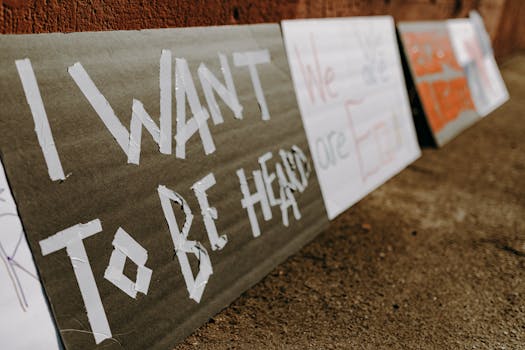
[(158, 174)]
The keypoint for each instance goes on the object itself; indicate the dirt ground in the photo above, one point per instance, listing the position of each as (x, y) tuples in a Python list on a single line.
[(434, 259)]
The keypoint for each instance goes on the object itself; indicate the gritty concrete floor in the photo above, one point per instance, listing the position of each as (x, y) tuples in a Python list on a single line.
[(434, 259)]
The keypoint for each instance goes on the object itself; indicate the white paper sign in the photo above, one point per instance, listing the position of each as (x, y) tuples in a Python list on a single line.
[(474, 53), (25, 318), (350, 89)]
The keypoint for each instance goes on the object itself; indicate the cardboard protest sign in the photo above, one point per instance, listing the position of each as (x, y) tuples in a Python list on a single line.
[(25, 321), (473, 52), (158, 173), (440, 81), (353, 101)]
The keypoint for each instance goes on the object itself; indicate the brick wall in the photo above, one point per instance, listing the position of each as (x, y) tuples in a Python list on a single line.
[(502, 17)]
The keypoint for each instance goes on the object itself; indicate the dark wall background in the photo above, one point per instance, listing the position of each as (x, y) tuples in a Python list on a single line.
[(503, 17)]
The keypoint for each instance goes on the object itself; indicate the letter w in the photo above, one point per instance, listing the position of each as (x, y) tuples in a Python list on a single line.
[(130, 141)]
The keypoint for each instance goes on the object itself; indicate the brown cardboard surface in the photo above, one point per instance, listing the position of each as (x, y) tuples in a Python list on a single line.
[(124, 65)]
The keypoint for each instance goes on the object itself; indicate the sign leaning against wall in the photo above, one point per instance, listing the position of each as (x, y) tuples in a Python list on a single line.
[(440, 81), (352, 95), (158, 173)]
